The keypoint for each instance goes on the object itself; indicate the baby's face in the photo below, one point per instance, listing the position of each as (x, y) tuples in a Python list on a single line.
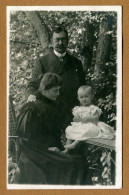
[(85, 97)]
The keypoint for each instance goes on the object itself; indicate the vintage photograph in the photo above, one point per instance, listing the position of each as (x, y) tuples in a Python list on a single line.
[(64, 103)]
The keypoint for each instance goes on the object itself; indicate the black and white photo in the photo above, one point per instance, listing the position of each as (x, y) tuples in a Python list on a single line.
[(64, 97)]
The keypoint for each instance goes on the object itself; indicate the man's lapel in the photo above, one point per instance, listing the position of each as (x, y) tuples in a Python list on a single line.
[(62, 65), (65, 65), (55, 62)]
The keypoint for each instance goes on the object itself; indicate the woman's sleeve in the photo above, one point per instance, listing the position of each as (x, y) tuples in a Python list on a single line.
[(26, 121), (23, 125)]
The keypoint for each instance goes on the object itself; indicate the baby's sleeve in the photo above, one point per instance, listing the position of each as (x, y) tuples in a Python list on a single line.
[(75, 111), (95, 109)]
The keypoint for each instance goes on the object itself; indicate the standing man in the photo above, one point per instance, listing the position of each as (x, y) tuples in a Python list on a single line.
[(61, 62)]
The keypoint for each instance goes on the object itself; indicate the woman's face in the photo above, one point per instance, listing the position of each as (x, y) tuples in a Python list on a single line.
[(52, 93)]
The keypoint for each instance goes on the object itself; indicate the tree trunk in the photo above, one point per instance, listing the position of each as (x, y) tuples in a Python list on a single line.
[(104, 46), (40, 27), (87, 45)]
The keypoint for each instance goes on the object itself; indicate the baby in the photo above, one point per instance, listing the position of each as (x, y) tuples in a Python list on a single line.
[(86, 122)]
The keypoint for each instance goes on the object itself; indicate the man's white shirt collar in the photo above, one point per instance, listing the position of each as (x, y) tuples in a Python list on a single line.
[(60, 55)]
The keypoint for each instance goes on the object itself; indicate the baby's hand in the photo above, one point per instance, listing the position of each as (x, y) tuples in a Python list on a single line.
[(85, 120), (76, 119)]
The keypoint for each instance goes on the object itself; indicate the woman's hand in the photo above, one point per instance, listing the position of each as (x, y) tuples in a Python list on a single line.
[(31, 98), (55, 149)]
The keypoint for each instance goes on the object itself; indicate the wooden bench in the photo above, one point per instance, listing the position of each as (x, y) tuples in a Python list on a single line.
[(105, 143)]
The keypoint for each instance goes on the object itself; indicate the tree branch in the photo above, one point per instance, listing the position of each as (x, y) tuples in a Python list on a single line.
[(40, 27)]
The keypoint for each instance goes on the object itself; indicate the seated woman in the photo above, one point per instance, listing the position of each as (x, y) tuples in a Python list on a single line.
[(39, 125)]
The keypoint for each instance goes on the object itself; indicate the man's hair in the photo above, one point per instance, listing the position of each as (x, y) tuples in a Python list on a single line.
[(49, 81), (59, 28)]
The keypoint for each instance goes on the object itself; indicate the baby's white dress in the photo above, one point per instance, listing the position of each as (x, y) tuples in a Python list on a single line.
[(82, 131)]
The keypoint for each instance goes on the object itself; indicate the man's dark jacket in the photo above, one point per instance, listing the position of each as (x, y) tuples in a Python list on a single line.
[(70, 69)]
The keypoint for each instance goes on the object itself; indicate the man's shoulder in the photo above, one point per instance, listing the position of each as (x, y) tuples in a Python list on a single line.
[(73, 57), (47, 55)]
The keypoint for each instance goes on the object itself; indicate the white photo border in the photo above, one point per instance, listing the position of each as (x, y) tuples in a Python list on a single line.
[(117, 9)]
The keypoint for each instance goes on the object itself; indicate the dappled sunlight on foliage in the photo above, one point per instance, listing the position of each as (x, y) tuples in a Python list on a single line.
[(25, 48)]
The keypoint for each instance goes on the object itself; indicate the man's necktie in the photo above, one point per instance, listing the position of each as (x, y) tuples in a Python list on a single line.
[(61, 59)]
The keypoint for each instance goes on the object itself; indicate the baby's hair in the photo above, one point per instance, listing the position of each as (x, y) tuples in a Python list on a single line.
[(86, 87)]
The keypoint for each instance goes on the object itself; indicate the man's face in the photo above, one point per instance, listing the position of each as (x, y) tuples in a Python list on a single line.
[(60, 42)]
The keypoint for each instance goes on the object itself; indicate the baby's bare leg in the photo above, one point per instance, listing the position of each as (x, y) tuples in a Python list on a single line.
[(68, 142), (72, 145)]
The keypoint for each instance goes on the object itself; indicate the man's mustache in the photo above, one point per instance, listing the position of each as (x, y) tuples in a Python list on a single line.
[(61, 46)]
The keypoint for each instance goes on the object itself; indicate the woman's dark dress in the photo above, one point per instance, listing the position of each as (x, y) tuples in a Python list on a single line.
[(40, 125)]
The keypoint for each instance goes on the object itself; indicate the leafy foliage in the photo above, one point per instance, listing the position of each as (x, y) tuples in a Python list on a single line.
[(25, 48), (100, 164)]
